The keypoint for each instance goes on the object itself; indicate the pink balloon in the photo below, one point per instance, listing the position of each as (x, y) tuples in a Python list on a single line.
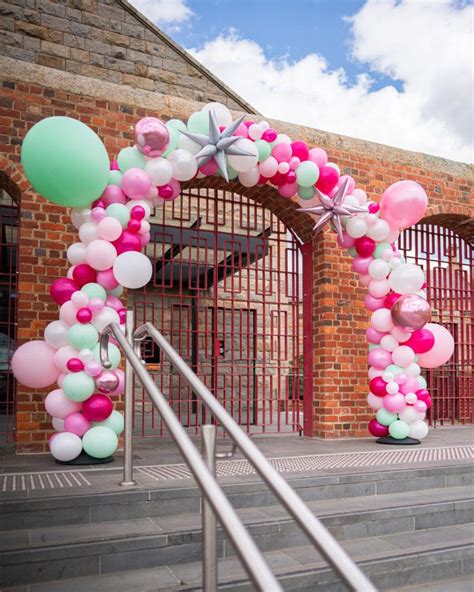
[(60, 379), (411, 312), (377, 429), (268, 167), (300, 150), (424, 395), (403, 204), (282, 151), (93, 368), (379, 358), (107, 279), (62, 357), (62, 289), (109, 229), (210, 168), (97, 407), (58, 405), (151, 136), (373, 303), (77, 424), (373, 336), (364, 246), (84, 274), (242, 131), (67, 313), (365, 279), (100, 254), (135, 183), (390, 299), (421, 341), (128, 241), (361, 264), (113, 194), (347, 241), (420, 406), (411, 385), (318, 156), (394, 403), (287, 189), (75, 365), (98, 214), (113, 302), (33, 364), (350, 183), (121, 385), (144, 238), (328, 178), (269, 135), (442, 349), (378, 386)]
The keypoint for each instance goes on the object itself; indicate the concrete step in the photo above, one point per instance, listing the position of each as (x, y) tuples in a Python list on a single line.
[(69, 551), (56, 508), (392, 562)]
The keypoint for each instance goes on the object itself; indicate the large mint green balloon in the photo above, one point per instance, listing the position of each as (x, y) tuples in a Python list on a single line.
[(394, 369), (199, 122), (172, 142), (78, 386), (115, 178), (94, 290), (115, 422), (307, 173), (119, 212), (176, 124), (65, 161), (130, 158), (422, 382), (114, 354), (380, 248), (385, 417), (306, 192), (399, 429), (82, 336), (264, 150), (100, 442)]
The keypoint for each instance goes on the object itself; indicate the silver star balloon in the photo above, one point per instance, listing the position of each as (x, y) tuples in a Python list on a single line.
[(331, 210), (217, 144)]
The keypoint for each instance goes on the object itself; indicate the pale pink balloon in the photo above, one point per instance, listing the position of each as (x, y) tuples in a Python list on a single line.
[(113, 302), (379, 358), (374, 402), (107, 279), (379, 288), (288, 189), (100, 254), (372, 303), (360, 195), (318, 156), (151, 136), (394, 403), (442, 349), (58, 405), (365, 280), (374, 372), (109, 228), (400, 335), (373, 336), (63, 355), (420, 406), (144, 238), (282, 151), (411, 385), (347, 241), (93, 368), (361, 264), (350, 183), (60, 379), (381, 320), (33, 364), (67, 313), (77, 424), (113, 194), (403, 204), (403, 356), (98, 214), (135, 183)]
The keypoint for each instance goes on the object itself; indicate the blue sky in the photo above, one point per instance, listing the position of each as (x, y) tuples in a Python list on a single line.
[(397, 72)]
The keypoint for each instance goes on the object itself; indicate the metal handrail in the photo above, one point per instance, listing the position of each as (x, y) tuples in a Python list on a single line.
[(316, 532), (250, 555)]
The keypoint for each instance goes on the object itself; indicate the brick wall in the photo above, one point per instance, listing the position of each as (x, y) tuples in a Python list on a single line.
[(339, 319), (107, 40)]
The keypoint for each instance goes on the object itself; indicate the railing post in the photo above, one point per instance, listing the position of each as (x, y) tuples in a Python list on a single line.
[(209, 523), (128, 432)]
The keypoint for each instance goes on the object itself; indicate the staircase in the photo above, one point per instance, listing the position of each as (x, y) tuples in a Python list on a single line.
[(409, 529)]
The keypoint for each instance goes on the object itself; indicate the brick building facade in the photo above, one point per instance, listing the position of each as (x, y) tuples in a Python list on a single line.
[(102, 62)]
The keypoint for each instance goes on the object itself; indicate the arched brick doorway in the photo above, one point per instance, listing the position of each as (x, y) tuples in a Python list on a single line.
[(227, 291), (443, 245)]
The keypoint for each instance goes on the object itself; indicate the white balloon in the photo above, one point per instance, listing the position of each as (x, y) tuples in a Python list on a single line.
[(241, 164), (159, 170), (76, 253), (413, 370), (403, 356), (356, 227), (186, 143), (406, 279), (132, 269), (379, 288), (392, 388), (283, 138), (222, 113), (88, 232), (409, 415), (79, 216), (374, 372), (58, 424), (418, 430), (250, 178), (66, 446), (379, 231), (411, 398), (184, 164), (55, 334), (374, 402), (379, 269), (79, 299), (388, 376), (388, 343), (381, 320), (86, 355), (104, 317), (255, 132)]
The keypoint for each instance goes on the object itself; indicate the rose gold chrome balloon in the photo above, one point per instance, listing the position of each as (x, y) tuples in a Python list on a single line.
[(151, 136), (411, 312), (106, 382)]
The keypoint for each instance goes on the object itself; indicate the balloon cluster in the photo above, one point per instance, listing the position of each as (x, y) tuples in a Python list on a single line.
[(67, 163)]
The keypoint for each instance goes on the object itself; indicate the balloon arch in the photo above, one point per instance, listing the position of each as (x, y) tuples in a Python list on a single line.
[(67, 163)]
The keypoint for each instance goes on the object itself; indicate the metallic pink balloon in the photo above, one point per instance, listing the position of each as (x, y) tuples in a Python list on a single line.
[(411, 312), (106, 382), (151, 136), (97, 408)]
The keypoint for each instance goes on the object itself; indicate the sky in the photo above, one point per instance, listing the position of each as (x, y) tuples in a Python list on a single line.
[(397, 72)]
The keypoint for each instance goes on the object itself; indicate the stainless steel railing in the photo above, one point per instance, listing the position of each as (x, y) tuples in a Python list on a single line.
[(316, 532)]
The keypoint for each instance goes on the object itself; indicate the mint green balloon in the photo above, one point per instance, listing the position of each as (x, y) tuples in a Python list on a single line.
[(394, 369), (65, 161), (94, 290), (306, 192), (114, 354), (119, 212), (422, 381), (100, 442), (176, 124), (307, 173), (130, 158), (78, 386), (399, 429), (115, 178), (82, 336), (172, 142), (380, 248), (199, 122), (115, 422), (264, 150), (352, 252), (385, 417), (232, 173), (117, 292)]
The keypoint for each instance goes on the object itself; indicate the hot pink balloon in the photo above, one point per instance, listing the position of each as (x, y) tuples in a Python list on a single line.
[(84, 274), (328, 178), (113, 194), (442, 349), (379, 358), (77, 424), (58, 405), (364, 246), (390, 299), (403, 204), (378, 386), (128, 241), (151, 136), (394, 403), (75, 365), (97, 408), (135, 183), (377, 429), (421, 341), (62, 289), (210, 168), (424, 395), (33, 364), (300, 150)]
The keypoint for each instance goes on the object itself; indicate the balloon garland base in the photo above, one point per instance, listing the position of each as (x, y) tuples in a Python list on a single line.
[(394, 441), (85, 459)]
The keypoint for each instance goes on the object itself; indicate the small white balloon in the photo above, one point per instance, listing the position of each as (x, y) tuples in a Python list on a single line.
[(374, 402), (388, 343), (132, 269), (411, 398), (356, 227), (388, 376), (88, 232), (80, 299), (159, 170), (104, 317), (413, 370), (244, 163), (406, 279), (418, 430), (379, 269), (65, 446), (76, 253), (221, 112), (255, 132), (86, 355), (58, 424), (379, 231), (409, 415), (392, 388), (184, 164), (55, 334), (250, 178)]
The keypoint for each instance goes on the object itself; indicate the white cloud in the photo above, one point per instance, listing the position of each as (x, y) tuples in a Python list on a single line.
[(424, 45), (164, 12)]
